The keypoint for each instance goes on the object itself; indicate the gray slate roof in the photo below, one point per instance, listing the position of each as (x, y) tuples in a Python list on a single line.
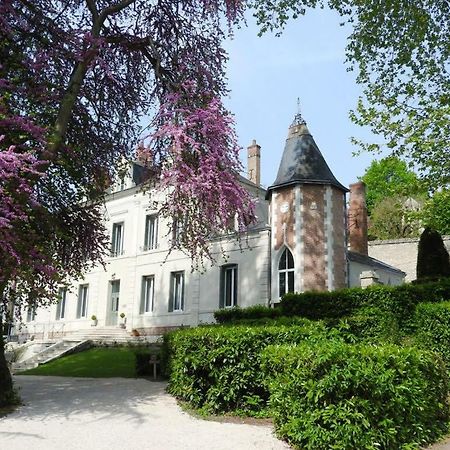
[(369, 261), (302, 161)]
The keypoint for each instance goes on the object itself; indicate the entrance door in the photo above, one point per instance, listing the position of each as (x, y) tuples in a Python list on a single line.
[(114, 302)]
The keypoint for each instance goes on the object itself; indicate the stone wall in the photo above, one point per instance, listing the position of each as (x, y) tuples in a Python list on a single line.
[(400, 253)]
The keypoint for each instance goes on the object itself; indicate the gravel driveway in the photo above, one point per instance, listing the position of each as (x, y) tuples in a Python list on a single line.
[(116, 414)]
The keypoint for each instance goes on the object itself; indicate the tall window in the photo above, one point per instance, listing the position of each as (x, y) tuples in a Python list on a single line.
[(61, 306), (228, 286), (115, 295), (176, 299), (286, 273), (82, 306), (31, 313), (177, 228), (117, 239), (148, 294), (151, 232)]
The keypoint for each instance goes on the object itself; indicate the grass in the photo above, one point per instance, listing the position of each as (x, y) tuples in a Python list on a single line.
[(95, 363)]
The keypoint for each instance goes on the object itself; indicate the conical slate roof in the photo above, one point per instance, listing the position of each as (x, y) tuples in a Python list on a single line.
[(302, 161)]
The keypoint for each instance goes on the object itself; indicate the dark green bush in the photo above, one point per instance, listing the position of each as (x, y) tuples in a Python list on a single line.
[(432, 256), (433, 328), (331, 395), (217, 368), (400, 300), (370, 324), (227, 315)]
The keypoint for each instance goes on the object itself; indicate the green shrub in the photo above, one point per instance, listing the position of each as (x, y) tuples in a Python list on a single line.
[(432, 256), (331, 395), (227, 315), (370, 324), (400, 300), (217, 368), (433, 328)]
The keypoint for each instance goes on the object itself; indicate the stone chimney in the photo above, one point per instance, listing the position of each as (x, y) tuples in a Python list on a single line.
[(357, 219), (254, 163)]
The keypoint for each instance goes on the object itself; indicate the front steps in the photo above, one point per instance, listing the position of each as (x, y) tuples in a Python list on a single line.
[(79, 340), (110, 336), (103, 335), (51, 353)]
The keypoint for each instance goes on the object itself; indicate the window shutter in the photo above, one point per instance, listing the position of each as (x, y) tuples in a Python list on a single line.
[(235, 287), (172, 278), (142, 304), (222, 288), (182, 291)]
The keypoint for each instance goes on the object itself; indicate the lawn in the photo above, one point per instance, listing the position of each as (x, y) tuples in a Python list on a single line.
[(95, 363)]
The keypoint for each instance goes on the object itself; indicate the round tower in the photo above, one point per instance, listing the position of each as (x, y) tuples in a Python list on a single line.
[(307, 217)]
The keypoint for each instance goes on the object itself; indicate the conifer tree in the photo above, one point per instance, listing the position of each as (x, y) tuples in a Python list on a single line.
[(432, 258)]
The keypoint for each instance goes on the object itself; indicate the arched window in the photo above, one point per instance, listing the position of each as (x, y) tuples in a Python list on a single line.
[(286, 273)]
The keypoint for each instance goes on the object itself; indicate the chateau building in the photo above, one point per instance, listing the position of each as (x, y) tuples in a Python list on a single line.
[(305, 238)]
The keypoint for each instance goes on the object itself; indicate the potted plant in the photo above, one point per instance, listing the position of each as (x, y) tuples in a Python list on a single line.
[(94, 320), (122, 320)]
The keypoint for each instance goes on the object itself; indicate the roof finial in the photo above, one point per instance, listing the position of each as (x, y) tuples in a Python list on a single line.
[(298, 119)]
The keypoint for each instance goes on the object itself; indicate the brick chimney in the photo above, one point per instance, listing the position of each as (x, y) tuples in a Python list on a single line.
[(254, 163), (357, 219)]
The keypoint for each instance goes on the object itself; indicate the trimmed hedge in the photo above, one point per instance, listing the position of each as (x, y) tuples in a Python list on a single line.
[(229, 315), (399, 300), (340, 396), (370, 324), (217, 368), (433, 328)]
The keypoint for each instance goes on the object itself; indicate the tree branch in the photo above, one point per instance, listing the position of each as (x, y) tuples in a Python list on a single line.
[(92, 8), (113, 9)]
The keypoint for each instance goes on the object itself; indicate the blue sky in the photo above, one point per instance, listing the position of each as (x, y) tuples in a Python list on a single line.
[(267, 74)]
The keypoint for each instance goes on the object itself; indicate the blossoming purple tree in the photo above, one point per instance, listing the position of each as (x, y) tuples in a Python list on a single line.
[(76, 77)]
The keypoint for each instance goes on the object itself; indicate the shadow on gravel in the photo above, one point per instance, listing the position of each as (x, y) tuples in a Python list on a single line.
[(47, 397)]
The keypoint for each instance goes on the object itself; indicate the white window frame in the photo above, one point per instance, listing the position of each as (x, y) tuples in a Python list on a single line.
[(61, 306), (117, 239), (229, 272), (177, 291), (148, 294), (31, 313), (151, 232), (83, 301), (286, 272)]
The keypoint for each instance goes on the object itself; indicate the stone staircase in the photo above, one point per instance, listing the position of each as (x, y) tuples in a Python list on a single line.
[(50, 353), (80, 340), (103, 335)]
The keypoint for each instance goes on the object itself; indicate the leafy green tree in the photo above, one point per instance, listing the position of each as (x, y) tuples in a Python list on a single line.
[(390, 177), (436, 212), (393, 218), (432, 257), (400, 50)]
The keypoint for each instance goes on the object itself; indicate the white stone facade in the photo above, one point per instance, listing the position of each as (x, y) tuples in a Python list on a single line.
[(157, 291)]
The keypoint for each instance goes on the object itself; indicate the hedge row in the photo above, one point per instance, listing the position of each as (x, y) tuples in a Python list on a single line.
[(433, 328), (400, 300), (395, 302), (340, 396), (321, 391), (217, 368), (232, 315)]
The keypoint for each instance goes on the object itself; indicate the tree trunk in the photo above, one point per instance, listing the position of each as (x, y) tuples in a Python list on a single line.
[(6, 385)]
